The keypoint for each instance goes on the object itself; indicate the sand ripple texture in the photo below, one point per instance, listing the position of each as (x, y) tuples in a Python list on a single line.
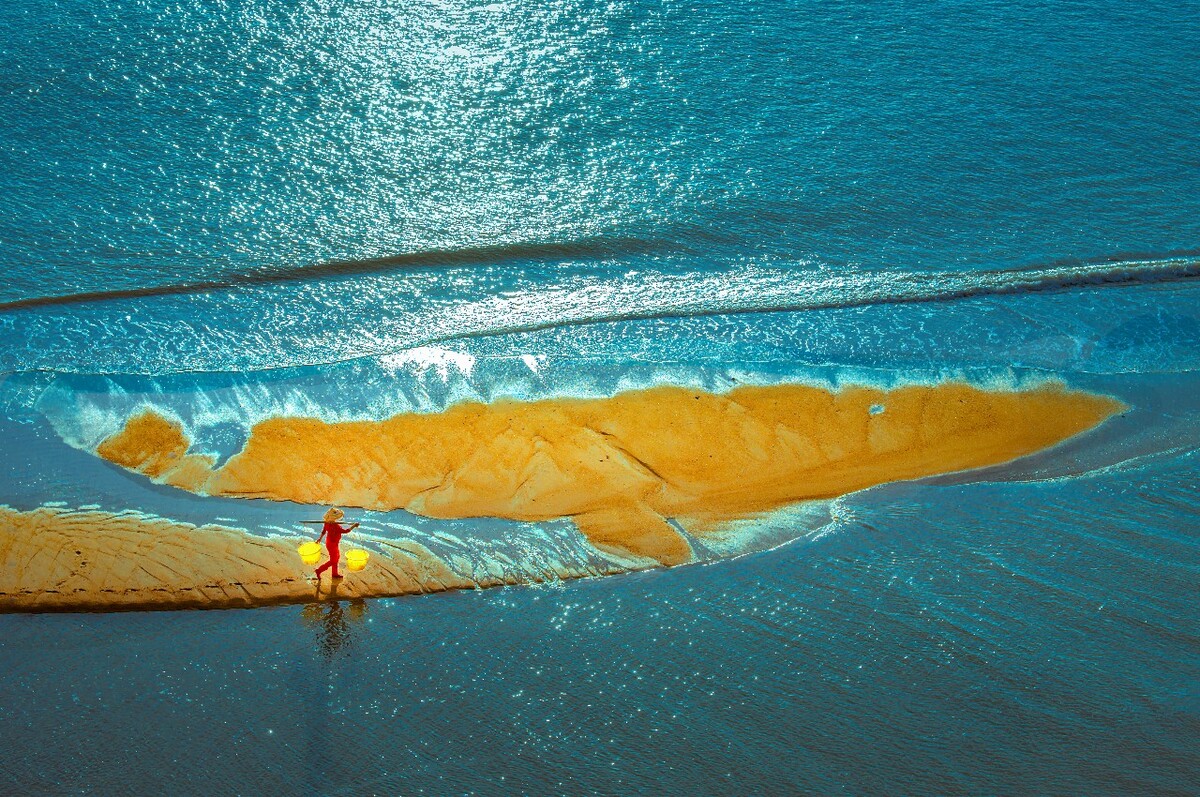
[(55, 559), (638, 472)]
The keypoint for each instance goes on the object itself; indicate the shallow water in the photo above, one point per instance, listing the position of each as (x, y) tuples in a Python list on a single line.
[(347, 211), (920, 645)]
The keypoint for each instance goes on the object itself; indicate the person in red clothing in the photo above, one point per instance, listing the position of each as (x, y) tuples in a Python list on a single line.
[(332, 533)]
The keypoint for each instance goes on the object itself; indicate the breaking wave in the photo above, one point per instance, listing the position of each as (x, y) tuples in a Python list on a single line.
[(865, 288), (317, 323)]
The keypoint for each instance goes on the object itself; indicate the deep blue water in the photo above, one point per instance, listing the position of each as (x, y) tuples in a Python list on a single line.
[(234, 210)]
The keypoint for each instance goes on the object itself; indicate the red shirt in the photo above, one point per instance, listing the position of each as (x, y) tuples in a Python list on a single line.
[(333, 534)]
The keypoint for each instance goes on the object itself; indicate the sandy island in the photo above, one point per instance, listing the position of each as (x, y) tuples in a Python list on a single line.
[(631, 471)]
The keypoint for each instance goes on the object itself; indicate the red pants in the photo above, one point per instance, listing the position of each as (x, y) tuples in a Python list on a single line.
[(334, 556)]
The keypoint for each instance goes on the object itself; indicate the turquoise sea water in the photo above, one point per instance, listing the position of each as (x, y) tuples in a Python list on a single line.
[(234, 210)]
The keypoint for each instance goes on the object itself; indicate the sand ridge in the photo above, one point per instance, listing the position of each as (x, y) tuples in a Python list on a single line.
[(631, 470), (71, 560)]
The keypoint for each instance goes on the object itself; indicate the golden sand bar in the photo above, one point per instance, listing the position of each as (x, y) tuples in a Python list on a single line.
[(56, 559), (624, 468)]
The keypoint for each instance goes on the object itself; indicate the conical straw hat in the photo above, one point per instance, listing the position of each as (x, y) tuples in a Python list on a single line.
[(334, 514)]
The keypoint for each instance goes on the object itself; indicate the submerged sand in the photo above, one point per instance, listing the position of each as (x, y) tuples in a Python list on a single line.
[(631, 470)]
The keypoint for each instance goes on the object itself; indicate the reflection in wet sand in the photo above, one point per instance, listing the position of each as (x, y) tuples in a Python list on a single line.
[(330, 620)]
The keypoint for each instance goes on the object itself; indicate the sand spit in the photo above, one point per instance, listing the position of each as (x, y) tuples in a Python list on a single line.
[(63, 560), (631, 470)]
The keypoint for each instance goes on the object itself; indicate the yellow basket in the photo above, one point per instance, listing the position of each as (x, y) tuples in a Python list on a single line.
[(310, 553), (356, 559)]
